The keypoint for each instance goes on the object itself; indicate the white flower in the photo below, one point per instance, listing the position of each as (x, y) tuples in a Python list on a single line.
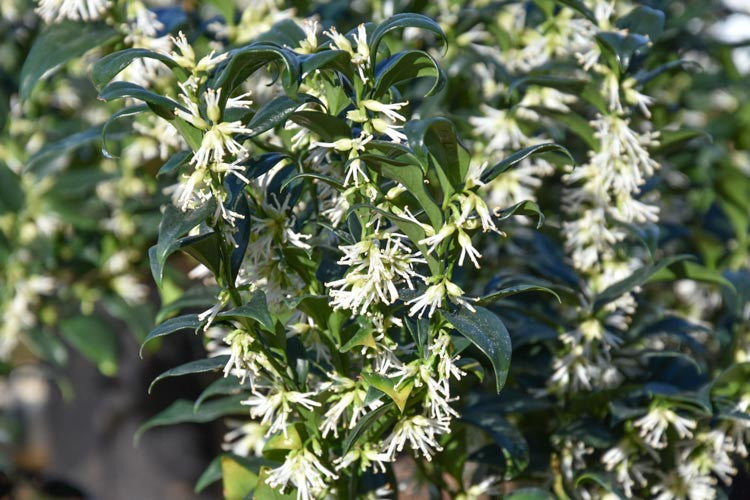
[(304, 471), (272, 227), (630, 471), (433, 297), (392, 131), (467, 249), (367, 455), (275, 407), (389, 110), (310, 43), (243, 360), (245, 438), (376, 265), (53, 11), (489, 486), (500, 127), (341, 42), (653, 425), (355, 169), (186, 56), (348, 396), (420, 432)]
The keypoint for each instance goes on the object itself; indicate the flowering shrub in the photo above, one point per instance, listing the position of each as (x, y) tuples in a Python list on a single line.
[(365, 211)]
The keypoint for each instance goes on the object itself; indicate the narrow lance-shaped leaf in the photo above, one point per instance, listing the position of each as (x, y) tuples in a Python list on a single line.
[(197, 366), (162, 106), (174, 224), (186, 322), (363, 425), (639, 277), (517, 157), (181, 411)]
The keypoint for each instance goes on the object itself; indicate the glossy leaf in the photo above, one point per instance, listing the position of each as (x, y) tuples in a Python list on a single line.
[(513, 290), (198, 366), (399, 395), (244, 61), (256, 308), (181, 411), (162, 106), (400, 21), (520, 155), (363, 425), (405, 66), (187, 322), (488, 333), (580, 7), (275, 112), (173, 225), (639, 277), (106, 68)]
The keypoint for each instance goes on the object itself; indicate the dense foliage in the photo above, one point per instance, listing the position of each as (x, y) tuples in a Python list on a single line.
[(500, 245)]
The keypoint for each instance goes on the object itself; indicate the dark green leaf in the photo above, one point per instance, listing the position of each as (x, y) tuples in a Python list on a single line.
[(210, 475), (512, 290), (223, 386), (11, 192), (175, 161), (275, 112), (327, 127), (622, 46), (197, 366), (326, 59), (523, 208), (256, 308), (399, 21), (519, 156), (405, 66), (363, 424), (58, 44), (505, 435), (485, 330), (181, 411), (162, 106), (124, 112), (187, 322), (643, 20), (639, 277), (106, 68), (436, 137), (174, 223), (581, 8), (245, 61)]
